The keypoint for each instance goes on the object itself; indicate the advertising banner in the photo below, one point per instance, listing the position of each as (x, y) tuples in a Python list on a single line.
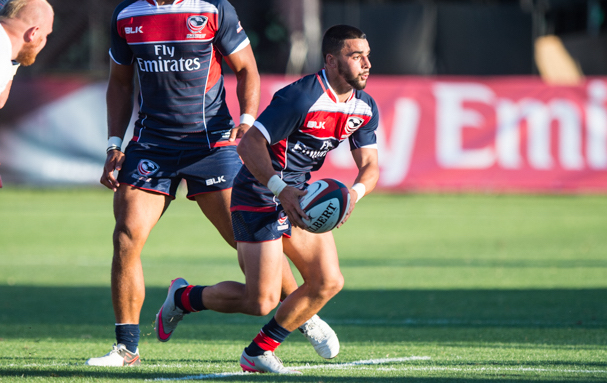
[(503, 134), (436, 134)]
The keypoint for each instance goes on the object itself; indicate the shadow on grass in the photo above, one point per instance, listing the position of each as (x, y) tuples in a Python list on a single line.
[(136, 374), (63, 312)]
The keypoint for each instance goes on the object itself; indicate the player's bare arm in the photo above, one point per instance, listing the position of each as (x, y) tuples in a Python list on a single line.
[(368, 173), (254, 153), (248, 86), (119, 99)]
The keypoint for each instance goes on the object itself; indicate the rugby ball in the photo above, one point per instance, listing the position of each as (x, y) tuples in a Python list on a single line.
[(326, 203)]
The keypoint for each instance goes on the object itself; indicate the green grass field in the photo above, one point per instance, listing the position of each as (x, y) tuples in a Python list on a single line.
[(439, 288)]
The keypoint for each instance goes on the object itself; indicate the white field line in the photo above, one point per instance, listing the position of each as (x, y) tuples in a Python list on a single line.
[(328, 366), (361, 363)]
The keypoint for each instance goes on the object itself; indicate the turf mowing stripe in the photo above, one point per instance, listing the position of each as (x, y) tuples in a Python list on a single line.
[(457, 322), (443, 322), (361, 365), (483, 369)]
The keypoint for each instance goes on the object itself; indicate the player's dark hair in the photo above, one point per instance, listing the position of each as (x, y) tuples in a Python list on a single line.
[(333, 40)]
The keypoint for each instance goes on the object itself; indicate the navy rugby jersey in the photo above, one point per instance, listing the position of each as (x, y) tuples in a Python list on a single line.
[(302, 124), (177, 50)]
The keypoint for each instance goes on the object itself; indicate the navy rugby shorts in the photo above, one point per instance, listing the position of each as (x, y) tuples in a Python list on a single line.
[(254, 226), (154, 168)]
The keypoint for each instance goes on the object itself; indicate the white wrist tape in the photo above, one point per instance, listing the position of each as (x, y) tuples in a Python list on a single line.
[(114, 143), (247, 119), (360, 190), (275, 184)]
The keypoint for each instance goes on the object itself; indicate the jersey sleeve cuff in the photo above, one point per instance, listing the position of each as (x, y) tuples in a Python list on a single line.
[(241, 46), (263, 131), (118, 62)]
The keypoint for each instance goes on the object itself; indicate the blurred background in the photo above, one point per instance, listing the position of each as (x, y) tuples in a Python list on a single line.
[(408, 37), (52, 130)]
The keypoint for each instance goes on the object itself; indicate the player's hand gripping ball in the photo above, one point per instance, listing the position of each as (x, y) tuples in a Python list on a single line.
[(326, 203)]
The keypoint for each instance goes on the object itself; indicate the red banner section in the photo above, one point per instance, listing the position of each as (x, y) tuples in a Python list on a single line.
[(503, 134)]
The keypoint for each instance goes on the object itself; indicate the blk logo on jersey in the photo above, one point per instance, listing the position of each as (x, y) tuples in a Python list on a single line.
[(147, 168), (316, 124), (131, 30)]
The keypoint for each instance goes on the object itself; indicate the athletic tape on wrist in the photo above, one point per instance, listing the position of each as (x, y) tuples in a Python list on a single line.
[(114, 142), (275, 184), (360, 190), (247, 119)]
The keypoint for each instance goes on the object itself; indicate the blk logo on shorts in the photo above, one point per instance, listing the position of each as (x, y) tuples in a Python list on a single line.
[(147, 168), (216, 180)]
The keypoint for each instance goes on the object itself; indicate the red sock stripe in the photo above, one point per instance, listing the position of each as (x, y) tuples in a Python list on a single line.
[(265, 342), (185, 299)]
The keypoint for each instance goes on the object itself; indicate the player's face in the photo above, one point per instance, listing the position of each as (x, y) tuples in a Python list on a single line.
[(29, 51), (353, 64)]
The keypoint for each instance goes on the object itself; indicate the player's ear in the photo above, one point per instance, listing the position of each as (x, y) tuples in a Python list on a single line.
[(331, 61), (30, 34)]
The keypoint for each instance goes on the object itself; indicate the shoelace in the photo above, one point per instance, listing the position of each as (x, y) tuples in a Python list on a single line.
[(115, 350), (310, 330)]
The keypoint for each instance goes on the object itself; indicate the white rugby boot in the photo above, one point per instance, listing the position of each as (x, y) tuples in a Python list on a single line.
[(321, 336), (169, 315), (118, 357), (268, 362)]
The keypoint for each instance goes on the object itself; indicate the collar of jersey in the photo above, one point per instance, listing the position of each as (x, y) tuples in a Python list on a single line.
[(154, 2), (330, 92)]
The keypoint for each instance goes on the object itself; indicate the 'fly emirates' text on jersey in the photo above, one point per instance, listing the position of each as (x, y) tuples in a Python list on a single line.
[(302, 124), (177, 50)]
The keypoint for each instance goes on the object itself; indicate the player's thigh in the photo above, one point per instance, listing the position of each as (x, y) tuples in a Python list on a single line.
[(216, 207), (314, 255), (137, 211), (262, 268)]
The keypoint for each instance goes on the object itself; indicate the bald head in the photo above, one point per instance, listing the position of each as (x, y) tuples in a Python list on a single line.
[(27, 23), (27, 11)]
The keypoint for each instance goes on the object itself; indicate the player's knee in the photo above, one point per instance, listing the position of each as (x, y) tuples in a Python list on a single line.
[(335, 284), (121, 236), (124, 238), (263, 306), (329, 286)]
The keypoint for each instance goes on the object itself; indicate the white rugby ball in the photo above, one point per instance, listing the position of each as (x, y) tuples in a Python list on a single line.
[(326, 203)]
